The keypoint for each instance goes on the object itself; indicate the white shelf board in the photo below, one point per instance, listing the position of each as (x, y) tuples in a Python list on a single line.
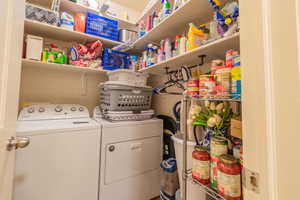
[(213, 50), (69, 6), (123, 23), (64, 67), (55, 32), (191, 11)]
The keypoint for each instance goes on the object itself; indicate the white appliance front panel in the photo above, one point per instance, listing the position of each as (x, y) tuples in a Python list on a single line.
[(60, 166), (26, 128), (132, 158), (53, 111)]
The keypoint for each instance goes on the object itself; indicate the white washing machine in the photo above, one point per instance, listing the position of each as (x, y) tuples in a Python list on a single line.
[(131, 153), (62, 160)]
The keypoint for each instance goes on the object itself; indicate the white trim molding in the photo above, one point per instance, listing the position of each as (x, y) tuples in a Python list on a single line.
[(272, 181)]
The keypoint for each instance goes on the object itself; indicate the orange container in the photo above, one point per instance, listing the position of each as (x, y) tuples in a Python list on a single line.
[(80, 20)]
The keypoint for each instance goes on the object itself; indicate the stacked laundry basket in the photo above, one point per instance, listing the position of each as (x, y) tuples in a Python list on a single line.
[(126, 97)]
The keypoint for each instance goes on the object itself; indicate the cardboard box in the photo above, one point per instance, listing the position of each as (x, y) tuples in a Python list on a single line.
[(236, 128)]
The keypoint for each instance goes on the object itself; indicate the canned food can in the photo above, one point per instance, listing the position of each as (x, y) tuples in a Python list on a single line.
[(201, 165), (218, 147), (229, 178)]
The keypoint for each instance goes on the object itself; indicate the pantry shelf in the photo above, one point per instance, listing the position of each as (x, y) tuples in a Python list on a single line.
[(213, 50), (191, 11), (54, 32), (71, 7), (65, 67)]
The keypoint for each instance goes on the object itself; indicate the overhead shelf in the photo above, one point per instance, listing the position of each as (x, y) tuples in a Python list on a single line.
[(199, 11), (69, 6), (213, 50), (55, 32), (64, 67)]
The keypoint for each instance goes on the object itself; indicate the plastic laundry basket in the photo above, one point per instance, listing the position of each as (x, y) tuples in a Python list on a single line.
[(193, 191), (132, 78)]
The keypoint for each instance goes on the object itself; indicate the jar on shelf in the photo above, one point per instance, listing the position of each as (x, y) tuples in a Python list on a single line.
[(229, 178), (201, 165), (218, 147)]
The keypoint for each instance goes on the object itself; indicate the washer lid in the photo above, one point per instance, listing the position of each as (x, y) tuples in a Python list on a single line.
[(55, 126)]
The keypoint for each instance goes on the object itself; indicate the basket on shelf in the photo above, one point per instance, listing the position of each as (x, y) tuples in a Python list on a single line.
[(124, 98), (102, 26)]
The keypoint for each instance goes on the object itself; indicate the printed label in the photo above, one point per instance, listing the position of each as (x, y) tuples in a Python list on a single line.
[(201, 169), (218, 150), (229, 185)]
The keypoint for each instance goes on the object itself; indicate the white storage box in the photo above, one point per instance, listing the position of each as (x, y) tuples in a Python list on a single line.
[(34, 47), (127, 77)]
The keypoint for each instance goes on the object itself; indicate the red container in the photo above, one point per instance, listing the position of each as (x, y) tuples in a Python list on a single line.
[(193, 88), (201, 165), (149, 23), (229, 178), (80, 21)]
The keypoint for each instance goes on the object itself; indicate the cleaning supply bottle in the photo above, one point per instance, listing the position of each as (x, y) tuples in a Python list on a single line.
[(142, 28), (177, 45), (183, 44), (194, 37), (166, 9), (168, 49)]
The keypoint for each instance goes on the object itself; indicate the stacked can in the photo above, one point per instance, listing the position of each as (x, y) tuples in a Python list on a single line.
[(218, 147), (229, 178), (193, 84)]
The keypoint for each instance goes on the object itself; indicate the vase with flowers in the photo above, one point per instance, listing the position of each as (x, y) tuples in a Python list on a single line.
[(214, 118)]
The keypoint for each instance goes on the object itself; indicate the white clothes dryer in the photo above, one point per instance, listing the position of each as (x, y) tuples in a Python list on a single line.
[(131, 153), (62, 160)]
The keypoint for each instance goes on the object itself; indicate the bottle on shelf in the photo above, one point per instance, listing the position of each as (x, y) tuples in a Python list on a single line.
[(142, 28)]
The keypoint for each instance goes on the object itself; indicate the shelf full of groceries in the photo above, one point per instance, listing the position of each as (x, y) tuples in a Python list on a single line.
[(225, 23)]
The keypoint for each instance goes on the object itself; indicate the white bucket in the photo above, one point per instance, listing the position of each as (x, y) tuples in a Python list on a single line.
[(193, 191)]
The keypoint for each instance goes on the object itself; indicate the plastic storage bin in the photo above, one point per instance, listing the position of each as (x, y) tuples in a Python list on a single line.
[(128, 77), (112, 60), (102, 26), (124, 98), (40, 14), (193, 191)]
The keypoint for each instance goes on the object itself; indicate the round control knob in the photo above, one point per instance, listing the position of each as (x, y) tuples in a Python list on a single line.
[(30, 110), (73, 109), (111, 148), (58, 109), (41, 109), (81, 109)]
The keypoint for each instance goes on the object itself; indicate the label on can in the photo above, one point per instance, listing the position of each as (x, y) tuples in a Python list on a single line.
[(218, 148), (214, 172), (229, 185), (201, 169)]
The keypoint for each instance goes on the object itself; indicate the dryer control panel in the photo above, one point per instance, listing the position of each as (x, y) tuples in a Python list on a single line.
[(53, 111)]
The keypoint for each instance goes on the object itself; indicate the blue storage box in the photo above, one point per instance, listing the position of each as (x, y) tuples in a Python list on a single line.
[(102, 26), (112, 60)]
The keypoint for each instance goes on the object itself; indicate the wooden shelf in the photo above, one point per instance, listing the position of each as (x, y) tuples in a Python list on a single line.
[(213, 50), (64, 67), (55, 32), (69, 6), (198, 11)]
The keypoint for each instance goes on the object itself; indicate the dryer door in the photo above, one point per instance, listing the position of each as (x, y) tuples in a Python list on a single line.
[(131, 158)]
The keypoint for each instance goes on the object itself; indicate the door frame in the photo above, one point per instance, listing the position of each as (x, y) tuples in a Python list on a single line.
[(11, 40)]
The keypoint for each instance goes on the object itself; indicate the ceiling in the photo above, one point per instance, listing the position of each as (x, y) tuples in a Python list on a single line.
[(138, 5)]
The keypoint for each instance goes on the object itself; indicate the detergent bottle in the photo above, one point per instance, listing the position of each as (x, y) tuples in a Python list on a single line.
[(194, 37)]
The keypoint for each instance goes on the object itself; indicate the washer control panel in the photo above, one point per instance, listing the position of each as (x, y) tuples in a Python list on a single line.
[(53, 111)]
